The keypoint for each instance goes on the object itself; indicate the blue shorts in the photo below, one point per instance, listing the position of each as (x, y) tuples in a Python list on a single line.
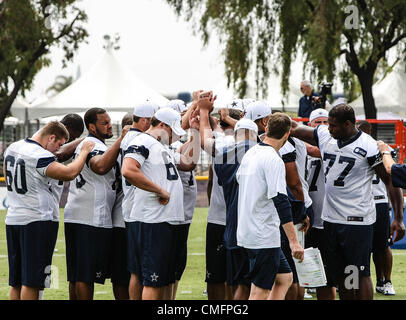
[(88, 253), (215, 254), (118, 263), (30, 248), (179, 250), (382, 238), (347, 245), (264, 266), (149, 252), (238, 267)]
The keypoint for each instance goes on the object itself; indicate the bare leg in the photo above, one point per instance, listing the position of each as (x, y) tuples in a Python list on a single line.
[(379, 262), (152, 293), (15, 293), (135, 288), (366, 290), (29, 293), (216, 291), (167, 292), (300, 293), (326, 293), (84, 291), (292, 292), (258, 293), (283, 283), (175, 289), (120, 292), (387, 266), (72, 291), (229, 292), (242, 292)]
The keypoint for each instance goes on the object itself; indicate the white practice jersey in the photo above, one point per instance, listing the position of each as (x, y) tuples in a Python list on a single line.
[(348, 170), (91, 196), (128, 188), (315, 180), (57, 190), (29, 190), (158, 164), (379, 189), (189, 189), (217, 208), (295, 150), (261, 176)]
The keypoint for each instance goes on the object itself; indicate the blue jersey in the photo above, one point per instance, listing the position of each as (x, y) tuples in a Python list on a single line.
[(226, 173)]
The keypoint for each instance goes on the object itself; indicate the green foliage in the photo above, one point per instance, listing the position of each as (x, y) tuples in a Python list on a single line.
[(257, 34), (28, 30)]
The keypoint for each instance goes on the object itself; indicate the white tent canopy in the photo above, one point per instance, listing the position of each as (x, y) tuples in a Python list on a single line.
[(19, 107), (108, 84), (389, 93)]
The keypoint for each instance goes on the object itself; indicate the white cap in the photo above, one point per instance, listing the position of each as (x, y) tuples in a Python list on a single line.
[(246, 124), (318, 113), (257, 110), (145, 109), (236, 104), (247, 101), (177, 105), (172, 118)]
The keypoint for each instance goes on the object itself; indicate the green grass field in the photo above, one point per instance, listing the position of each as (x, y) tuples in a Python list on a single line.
[(192, 285)]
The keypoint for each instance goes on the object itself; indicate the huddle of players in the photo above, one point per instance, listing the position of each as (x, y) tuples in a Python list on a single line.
[(146, 209), (325, 184), (130, 227)]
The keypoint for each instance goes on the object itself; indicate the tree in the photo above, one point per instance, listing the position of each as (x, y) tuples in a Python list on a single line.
[(28, 30), (339, 39), (61, 83)]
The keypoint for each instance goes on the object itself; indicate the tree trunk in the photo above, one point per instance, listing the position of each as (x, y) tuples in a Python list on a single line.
[(5, 108), (366, 80)]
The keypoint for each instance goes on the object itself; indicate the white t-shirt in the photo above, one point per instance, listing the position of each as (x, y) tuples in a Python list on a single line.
[(29, 190), (348, 168), (261, 176), (158, 164), (91, 196), (128, 188)]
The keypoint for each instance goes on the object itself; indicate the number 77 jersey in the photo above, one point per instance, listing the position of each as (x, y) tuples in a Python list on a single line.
[(348, 169)]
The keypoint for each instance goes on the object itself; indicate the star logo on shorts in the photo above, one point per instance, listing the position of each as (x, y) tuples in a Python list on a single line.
[(219, 247), (154, 277), (208, 274), (98, 274)]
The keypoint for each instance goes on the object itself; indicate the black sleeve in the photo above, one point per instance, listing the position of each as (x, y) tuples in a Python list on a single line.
[(399, 175), (93, 154), (283, 207), (289, 157)]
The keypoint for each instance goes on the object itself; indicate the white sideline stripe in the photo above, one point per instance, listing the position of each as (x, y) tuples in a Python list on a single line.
[(196, 254)]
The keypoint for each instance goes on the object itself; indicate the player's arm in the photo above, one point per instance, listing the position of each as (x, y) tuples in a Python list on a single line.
[(205, 105), (189, 112), (59, 171), (190, 151), (396, 199), (293, 180), (67, 150), (283, 208), (131, 170), (103, 163), (313, 151), (302, 132), (225, 116), (210, 183)]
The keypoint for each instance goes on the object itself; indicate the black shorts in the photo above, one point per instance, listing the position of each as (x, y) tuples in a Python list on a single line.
[(30, 248), (179, 250), (382, 238), (118, 263), (288, 255), (238, 267), (149, 252), (88, 252), (264, 266), (347, 247), (215, 254)]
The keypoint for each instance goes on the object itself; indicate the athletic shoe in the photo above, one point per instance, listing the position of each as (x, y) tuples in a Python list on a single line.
[(389, 290), (380, 287), (311, 290), (307, 296)]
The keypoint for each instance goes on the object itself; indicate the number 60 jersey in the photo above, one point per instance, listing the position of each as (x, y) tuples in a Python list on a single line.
[(348, 170), (158, 165), (29, 190)]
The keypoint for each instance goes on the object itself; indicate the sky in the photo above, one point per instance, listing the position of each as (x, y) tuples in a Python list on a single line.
[(157, 45)]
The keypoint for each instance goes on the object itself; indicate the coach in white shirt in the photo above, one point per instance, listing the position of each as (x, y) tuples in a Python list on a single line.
[(263, 205)]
